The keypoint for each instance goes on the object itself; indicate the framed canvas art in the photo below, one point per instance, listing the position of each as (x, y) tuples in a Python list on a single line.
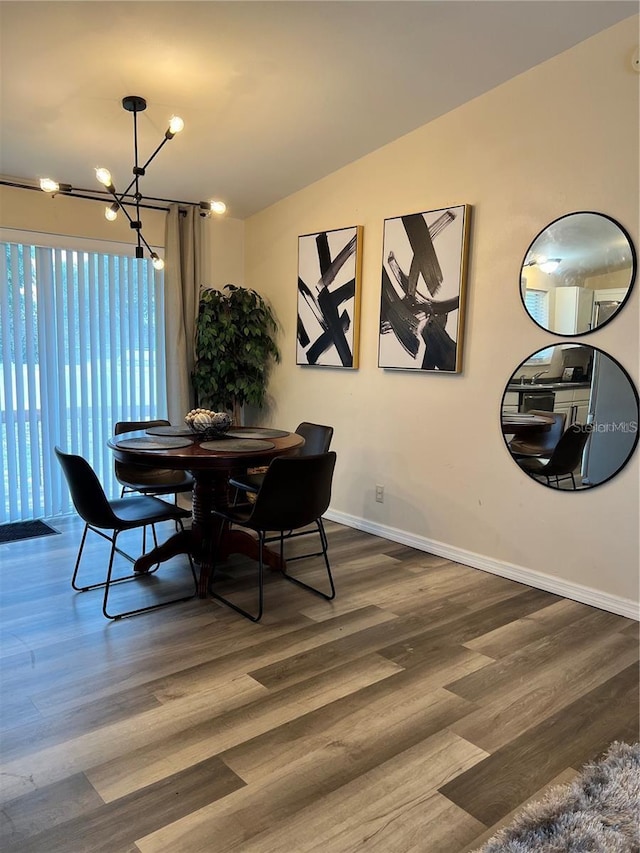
[(423, 290), (329, 270)]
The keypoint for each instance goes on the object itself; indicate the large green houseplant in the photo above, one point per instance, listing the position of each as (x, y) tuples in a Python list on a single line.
[(235, 347)]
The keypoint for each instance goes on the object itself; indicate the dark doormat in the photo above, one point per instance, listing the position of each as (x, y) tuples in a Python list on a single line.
[(24, 530)]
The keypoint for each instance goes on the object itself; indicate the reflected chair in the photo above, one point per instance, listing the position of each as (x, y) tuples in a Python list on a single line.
[(127, 513), (543, 442), (155, 482), (317, 439), (295, 492), (564, 459)]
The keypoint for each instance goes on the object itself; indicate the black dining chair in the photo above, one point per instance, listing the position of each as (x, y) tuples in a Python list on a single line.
[(155, 482), (295, 493), (317, 439), (564, 459), (109, 518), (541, 442)]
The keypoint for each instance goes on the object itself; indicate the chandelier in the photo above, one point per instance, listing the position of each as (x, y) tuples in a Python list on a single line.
[(135, 104)]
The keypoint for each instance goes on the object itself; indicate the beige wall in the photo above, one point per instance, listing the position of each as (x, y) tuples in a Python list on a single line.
[(559, 138), (223, 252)]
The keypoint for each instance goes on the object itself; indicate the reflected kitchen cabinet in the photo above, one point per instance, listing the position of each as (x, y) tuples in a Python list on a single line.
[(511, 402), (574, 402)]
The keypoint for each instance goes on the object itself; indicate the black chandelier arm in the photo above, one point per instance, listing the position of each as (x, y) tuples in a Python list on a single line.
[(164, 141), (136, 175), (141, 237), (126, 213), (140, 170), (79, 192)]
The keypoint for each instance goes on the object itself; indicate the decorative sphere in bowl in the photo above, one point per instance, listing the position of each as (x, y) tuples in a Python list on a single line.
[(208, 424)]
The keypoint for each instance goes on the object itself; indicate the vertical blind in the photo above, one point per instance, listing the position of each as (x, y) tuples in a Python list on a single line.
[(81, 347), (537, 304)]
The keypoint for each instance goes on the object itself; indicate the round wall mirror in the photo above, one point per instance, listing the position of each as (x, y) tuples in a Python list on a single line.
[(570, 416), (578, 273)]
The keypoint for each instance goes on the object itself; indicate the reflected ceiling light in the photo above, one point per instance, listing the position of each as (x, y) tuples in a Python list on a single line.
[(550, 265), (547, 265)]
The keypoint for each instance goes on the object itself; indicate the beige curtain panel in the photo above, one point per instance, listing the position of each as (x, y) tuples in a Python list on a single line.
[(182, 293)]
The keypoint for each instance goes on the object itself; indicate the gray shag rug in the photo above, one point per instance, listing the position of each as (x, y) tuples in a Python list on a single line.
[(599, 812)]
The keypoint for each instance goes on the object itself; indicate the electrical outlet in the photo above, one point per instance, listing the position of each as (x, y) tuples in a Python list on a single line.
[(380, 494)]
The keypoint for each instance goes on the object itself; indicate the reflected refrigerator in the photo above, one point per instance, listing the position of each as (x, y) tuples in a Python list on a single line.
[(613, 416)]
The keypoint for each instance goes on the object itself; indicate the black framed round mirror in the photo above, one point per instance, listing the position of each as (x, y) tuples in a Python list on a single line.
[(569, 416), (578, 273)]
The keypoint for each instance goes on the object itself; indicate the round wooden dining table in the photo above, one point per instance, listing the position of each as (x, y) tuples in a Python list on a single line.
[(211, 463), (525, 423)]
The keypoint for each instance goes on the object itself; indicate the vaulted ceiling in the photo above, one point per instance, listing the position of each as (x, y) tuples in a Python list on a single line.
[(274, 95)]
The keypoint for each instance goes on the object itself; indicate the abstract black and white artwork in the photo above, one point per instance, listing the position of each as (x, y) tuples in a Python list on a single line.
[(423, 290), (329, 264)]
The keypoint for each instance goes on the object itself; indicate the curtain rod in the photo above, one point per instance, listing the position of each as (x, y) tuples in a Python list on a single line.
[(99, 195)]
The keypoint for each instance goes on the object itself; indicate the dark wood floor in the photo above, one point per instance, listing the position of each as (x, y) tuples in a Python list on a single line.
[(416, 712)]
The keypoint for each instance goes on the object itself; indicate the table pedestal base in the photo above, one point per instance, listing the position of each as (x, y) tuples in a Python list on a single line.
[(210, 491)]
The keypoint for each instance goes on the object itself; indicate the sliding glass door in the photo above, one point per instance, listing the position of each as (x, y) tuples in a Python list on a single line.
[(81, 346)]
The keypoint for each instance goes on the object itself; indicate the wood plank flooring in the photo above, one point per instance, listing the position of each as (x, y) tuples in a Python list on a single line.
[(416, 712)]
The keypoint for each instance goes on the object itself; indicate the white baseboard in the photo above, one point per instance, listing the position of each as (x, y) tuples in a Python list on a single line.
[(577, 592)]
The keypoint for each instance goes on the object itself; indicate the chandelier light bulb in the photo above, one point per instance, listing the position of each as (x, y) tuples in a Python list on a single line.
[(158, 262), (218, 207), (176, 124), (104, 176), (48, 185), (111, 212)]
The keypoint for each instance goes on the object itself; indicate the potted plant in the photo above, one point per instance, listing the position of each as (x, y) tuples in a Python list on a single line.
[(235, 347)]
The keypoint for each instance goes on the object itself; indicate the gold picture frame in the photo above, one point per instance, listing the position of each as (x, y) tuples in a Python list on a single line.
[(423, 295), (329, 283)]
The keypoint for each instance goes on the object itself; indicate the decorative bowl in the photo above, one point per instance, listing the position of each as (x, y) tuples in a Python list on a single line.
[(207, 424)]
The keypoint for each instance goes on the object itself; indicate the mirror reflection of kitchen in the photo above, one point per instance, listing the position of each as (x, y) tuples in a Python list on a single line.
[(577, 273), (570, 416)]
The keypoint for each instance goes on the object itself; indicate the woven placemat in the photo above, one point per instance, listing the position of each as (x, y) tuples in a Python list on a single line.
[(147, 442), (169, 430), (237, 445), (257, 432)]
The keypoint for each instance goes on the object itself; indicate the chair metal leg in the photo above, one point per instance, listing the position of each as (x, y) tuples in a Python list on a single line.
[(109, 582), (100, 584), (122, 553), (106, 584), (254, 618), (323, 539), (78, 558)]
